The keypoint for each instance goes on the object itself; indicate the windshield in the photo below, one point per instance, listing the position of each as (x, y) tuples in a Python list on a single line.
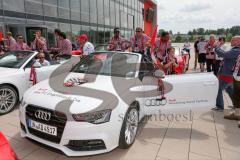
[(109, 64), (14, 59)]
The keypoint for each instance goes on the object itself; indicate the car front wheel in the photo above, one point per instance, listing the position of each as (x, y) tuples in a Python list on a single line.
[(8, 99), (129, 128)]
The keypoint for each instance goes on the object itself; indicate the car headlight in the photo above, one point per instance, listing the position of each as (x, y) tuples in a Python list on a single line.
[(95, 117)]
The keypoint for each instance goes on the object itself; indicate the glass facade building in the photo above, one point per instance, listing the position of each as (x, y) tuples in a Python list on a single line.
[(96, 18)]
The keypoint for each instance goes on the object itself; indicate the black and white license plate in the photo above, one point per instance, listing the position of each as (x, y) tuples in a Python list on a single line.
[(42, 127)]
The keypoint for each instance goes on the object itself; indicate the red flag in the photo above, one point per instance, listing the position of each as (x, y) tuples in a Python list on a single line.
[(152, 42), (33, 75)]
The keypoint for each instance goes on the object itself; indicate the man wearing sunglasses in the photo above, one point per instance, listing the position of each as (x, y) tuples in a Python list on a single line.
[(117, 42), (41, 61), (20, 44), (139, 41)]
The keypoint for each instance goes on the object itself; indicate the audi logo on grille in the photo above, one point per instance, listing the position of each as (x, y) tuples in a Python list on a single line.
[(43, 115)]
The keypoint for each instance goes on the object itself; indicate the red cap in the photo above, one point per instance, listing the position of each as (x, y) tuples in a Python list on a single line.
[(83, 37)]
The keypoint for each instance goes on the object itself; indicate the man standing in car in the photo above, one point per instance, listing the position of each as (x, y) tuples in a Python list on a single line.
[(86, 46), (162, 44), (39, 44), (11, 43), (139, 41), (117, 43), (225, 74), (66, 45)]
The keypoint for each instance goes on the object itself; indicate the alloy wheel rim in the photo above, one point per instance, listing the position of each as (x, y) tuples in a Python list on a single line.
[(131, 126), (7, 100)]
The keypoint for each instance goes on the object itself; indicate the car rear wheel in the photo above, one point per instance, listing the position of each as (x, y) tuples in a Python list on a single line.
[(8, 99), (129, 128)]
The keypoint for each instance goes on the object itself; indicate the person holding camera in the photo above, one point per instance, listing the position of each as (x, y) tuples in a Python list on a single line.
[(39, 43), (225, 75)]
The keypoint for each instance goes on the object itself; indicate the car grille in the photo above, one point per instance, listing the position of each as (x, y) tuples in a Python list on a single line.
[(58, 120), (86, 145)]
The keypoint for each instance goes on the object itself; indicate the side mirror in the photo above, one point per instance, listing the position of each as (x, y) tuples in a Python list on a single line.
[(159, 74), (37, 65), (130, 74)]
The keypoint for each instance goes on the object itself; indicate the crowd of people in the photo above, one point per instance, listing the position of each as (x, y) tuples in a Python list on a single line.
[(225, 65), (212, 53)]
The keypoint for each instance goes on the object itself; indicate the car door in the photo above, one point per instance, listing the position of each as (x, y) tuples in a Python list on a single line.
[(185, 91)]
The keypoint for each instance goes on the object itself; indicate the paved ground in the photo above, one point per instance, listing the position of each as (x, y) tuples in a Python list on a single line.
[(205, 136)]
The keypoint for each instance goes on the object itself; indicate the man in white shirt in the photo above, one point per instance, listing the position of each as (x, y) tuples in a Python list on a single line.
[(41, 61), (202, 53), (86, 46)]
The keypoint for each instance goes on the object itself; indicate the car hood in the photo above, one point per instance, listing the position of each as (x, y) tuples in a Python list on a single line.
[(7, 71), (88, 98)]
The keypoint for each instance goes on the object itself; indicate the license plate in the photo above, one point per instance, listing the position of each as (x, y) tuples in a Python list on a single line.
[(42, 127)]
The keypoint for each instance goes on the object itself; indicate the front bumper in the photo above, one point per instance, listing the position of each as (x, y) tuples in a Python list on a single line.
[(79, 138)]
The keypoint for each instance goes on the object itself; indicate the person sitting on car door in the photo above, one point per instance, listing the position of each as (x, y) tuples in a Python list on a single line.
[(86, 46), (170, 61), (20, 44), (117, 42), (10, 42), (41, 61), (139, 41)]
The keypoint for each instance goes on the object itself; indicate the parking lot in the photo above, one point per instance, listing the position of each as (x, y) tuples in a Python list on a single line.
[(204, 136)]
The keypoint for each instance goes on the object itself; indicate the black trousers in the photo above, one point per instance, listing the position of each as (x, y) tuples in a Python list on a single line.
[(217, 66), (210, 65), (236, 94)]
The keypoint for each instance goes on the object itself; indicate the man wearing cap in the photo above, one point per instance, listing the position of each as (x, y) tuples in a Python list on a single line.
[(139, 41), (162, 44), (85, 46), (117, 43)]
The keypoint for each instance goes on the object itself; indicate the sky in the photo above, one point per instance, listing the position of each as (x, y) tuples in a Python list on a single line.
[(184, 15)]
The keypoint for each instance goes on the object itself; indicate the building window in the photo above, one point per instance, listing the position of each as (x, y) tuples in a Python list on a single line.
[(14, 5), (63, 9), (85, 30), (75, 9), (124, 20), (100, 35), (130, 21), (117, 14), (75, 31), (85, 10), (65, 27), (93, 9), (93, 35), (34, 7), (107, 35), (112, 14), (100, 11), (106, 12), (50, 8)]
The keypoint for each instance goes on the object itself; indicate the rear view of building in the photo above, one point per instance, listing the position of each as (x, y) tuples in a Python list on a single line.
[(97, 18)]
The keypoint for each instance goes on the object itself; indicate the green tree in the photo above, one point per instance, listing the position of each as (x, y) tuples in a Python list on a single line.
[(178, 38)]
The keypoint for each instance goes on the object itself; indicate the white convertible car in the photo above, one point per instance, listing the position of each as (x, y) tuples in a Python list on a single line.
[(15, 71), (97, 106)]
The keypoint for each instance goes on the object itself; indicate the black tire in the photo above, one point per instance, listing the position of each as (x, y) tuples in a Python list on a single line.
[(15, 98), (122, 141)]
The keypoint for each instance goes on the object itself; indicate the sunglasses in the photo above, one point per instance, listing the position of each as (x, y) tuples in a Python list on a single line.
[(138, 31), (41, 57)]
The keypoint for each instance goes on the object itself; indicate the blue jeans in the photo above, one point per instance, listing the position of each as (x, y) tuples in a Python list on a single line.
[(228, 87)]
